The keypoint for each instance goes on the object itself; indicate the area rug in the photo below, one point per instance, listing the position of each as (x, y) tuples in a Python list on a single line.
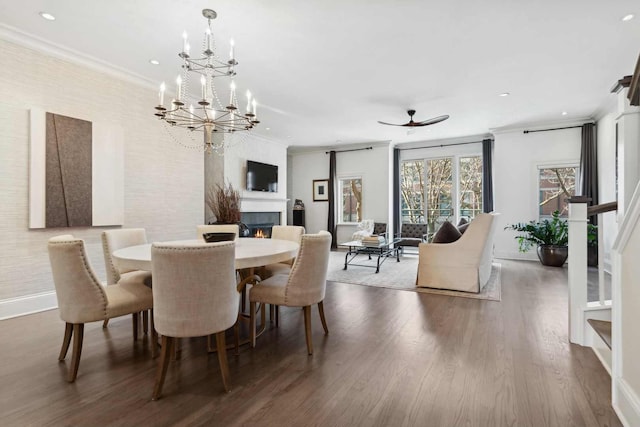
[(402, 276)]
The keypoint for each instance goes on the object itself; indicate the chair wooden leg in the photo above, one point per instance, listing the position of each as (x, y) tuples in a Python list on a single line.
[(136, 325), (222, 359), (68, 332), (78, 334), (307, 329), (252, 323), (154, 336), (163, 364), (105, 323), (322, 319), (145, 322)]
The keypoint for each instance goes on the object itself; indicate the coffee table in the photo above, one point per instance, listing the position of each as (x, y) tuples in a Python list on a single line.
[(382, 250)]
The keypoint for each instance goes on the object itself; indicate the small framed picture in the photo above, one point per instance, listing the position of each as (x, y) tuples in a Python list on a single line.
[(320, 190)]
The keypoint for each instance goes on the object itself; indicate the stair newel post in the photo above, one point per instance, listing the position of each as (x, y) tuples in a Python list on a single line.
[(577, 267)]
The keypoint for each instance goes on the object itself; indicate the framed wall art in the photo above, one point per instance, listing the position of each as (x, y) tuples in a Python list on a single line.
[(320, 190)]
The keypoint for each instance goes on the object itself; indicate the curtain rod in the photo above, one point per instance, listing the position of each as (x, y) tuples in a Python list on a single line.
[(440, 146), (353, 149), (546, 130)]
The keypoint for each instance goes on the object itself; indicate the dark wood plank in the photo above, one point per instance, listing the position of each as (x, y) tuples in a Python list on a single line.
[(393, 358)]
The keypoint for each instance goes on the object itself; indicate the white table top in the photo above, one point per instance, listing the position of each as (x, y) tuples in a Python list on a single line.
[(250, 252)]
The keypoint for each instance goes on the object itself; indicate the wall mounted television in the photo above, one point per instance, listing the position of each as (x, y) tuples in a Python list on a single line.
[(262, 177)]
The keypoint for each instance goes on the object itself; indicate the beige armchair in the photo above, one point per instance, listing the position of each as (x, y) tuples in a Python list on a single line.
[(218, 228), (195, 294), (464, 265), (292, 233), (303, 287), (112, 240), (81, 297)]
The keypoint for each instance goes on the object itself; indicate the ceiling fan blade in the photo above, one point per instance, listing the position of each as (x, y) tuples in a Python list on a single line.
[(389, 124), (432, 121)]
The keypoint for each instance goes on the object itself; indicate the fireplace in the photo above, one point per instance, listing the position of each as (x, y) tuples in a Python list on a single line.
[(259, 223)]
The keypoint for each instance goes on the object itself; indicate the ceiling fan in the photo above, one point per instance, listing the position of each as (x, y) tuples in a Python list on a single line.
[(412, 124)]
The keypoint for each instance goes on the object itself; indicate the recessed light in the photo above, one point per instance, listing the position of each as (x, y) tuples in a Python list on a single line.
[(564, 113), (154, 62), (628, 17), (504, 94), (50, 17), (268, 128)]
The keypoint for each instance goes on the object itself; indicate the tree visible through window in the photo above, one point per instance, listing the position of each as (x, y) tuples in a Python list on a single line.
[(556, 186), (431, 195), (350, 199)]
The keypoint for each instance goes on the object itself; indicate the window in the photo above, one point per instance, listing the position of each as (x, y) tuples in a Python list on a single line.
[(470, 187), (556, 185), (440, 189), (350, 198)]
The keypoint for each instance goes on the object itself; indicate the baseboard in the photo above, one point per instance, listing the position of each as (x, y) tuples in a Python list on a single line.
[(516, 255), (21, 306), (626, 404)]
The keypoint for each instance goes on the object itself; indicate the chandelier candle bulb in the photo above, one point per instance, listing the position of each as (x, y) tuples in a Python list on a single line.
[(248, 102), (207, 35), (231, 51), (232, 93), (179, 89), (203, 82), (254, 104), (162, 89), (184, 42)]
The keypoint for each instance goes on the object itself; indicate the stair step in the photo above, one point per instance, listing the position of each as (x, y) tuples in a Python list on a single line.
[(603, 329)]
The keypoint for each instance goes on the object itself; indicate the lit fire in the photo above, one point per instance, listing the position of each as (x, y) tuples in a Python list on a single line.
[(260, 234)]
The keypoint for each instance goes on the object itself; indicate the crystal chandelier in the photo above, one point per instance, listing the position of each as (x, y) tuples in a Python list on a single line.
[(206, 112)]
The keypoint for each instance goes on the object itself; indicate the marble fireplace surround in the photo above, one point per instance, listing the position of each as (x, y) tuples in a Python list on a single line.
[(273, 210)]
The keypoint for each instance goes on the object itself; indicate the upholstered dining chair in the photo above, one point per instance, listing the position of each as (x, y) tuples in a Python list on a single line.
[(83, 299), (292, 233), (303, 287), (112, 240), (195, 294)]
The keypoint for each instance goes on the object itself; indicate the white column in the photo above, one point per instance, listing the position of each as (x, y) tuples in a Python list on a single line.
[(628, 135), (577, 268)]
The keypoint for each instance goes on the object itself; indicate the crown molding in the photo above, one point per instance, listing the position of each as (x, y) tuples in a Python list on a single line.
[(30, 41), (443, 142)]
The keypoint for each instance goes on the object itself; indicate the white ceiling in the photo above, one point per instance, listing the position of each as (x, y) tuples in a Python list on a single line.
[(326, 71)]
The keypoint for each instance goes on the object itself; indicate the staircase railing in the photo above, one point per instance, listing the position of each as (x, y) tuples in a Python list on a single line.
[(578, 278)]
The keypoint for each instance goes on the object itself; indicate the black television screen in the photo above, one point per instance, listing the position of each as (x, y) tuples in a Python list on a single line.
[(262, 177)]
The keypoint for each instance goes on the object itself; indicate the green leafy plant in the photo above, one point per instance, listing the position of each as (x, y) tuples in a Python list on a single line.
[(592, 235), (546, 232)]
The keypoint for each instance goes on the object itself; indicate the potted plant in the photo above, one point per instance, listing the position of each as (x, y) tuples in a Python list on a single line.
[(224, 202), (551, 237)]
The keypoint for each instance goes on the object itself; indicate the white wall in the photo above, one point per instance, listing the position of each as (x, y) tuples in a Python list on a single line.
[(235, 170), (163, 181), (516, 159), (371, 165)]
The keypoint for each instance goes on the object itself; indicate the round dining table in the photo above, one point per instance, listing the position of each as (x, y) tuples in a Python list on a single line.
[(250, 253)]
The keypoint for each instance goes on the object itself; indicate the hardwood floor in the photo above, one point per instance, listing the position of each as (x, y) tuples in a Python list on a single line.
[(392, 358)]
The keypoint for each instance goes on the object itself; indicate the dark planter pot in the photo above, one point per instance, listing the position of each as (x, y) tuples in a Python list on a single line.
[(592, 256), (553, 255)]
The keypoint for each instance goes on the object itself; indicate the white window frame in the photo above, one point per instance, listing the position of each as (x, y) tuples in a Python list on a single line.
[(339, 197), (551, 165)]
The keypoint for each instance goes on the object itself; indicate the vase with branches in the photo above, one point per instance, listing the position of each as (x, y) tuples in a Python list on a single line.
[(224, 202)]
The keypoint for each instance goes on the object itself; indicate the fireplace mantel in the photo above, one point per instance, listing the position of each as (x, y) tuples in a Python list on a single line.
[(265, 204)]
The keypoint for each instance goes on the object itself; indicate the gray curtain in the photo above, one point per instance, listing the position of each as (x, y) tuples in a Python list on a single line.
[(331, 222), (589, 164), (397, 217), (487, 175)]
